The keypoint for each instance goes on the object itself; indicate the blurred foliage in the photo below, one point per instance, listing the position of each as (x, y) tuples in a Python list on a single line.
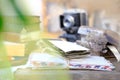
[(24, 21), (1, 22), (19, 12), (5, 66)]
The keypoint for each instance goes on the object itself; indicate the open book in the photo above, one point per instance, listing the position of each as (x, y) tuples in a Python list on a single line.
[(71, 49)]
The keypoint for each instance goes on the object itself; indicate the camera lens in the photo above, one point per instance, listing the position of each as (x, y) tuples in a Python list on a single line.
[(68, 21)]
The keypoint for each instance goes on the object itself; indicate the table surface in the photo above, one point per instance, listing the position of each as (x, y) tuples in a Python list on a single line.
[(29, 74)]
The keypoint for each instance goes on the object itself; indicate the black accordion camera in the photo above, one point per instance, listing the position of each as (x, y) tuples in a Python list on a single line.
[(70, 21)]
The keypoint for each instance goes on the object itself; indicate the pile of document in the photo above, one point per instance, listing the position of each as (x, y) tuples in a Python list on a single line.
[(79, 57), (75, 57), (71, 50)]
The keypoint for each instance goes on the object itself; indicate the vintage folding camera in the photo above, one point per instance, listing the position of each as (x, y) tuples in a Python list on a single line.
[(70, 21)]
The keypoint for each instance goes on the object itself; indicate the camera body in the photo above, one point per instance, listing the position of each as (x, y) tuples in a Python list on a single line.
[(70, 21)]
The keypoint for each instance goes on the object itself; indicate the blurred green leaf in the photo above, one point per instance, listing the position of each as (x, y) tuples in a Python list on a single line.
[(19, 12), (1, 22)]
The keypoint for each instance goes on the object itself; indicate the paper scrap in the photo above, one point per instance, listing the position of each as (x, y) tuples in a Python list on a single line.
[(115, 52), (91, 62), (68, 46)]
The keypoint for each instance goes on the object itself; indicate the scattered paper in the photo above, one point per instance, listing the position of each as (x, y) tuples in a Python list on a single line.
[(68, 46), (91, 62), (46, 60), (115, 52)]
